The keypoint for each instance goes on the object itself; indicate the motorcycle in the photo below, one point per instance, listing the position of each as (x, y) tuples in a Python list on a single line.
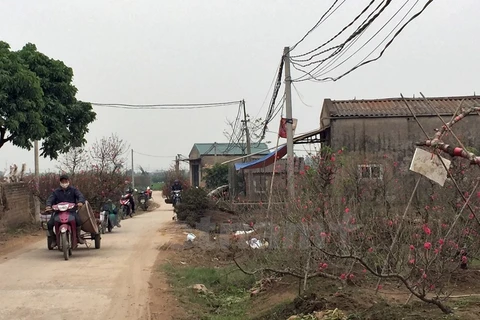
[(143, 200), (107, 221), (65, 230), (176, 197), (125, 204)]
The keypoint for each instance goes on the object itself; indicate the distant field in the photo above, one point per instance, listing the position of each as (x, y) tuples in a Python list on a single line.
[(157, 186)]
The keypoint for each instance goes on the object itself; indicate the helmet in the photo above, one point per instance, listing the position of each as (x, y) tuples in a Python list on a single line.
[(148, 188), (64, 177), (177, 181)]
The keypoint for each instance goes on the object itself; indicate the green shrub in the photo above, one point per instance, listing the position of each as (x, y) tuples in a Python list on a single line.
[(193, 205)]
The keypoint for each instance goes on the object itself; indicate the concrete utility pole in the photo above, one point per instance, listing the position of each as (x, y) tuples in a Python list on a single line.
[(37, 166), (133, 174), (37, 180), (249, 151), (288, 104)]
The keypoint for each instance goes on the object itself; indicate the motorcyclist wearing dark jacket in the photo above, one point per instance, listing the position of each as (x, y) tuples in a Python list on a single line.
[(66, 193), (176, 186)]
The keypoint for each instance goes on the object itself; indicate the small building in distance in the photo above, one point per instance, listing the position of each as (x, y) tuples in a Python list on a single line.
[(205, 155)]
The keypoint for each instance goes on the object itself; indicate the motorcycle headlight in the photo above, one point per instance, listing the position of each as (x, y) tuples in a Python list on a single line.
[(62, 207)]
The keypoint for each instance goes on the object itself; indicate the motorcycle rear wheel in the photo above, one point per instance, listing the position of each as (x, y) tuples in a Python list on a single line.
[(97, 241)]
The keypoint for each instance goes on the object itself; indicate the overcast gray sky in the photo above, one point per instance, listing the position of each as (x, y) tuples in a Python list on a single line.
[(157, 51)]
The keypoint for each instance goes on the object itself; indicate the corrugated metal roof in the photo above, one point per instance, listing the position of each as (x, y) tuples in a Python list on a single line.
[(229, 149), (397, 107)]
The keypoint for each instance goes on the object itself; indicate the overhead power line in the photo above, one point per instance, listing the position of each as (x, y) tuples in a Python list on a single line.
[(313, 66), (322, 71), (334, 37), (164, 106), (275, 76), (153, 156), (271, 110), (322, 19), (364, 61)]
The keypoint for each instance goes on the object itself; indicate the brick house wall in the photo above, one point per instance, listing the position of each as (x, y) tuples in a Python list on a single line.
[(16, 205)]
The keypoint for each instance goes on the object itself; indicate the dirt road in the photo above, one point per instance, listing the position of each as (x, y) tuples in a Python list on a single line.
[(109, 283)]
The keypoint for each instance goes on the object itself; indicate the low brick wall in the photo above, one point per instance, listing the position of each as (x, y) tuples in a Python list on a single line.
[(16, 205)]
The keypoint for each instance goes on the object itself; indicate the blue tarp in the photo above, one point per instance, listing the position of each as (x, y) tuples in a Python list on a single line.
[(265, 161)]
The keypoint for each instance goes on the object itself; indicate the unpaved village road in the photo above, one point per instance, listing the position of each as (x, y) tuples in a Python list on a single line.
[(109, 283)]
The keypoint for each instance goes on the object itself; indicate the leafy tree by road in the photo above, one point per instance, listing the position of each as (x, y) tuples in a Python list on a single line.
[(216, 176), (37, 102)]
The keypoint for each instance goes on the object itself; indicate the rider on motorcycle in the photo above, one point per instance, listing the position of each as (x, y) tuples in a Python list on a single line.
[(132, 201), (149, 193), (66, 193), (110, 207), (176, 186)]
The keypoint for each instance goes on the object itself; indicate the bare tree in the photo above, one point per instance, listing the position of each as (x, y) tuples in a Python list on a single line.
[(109, 154), (76, 160)]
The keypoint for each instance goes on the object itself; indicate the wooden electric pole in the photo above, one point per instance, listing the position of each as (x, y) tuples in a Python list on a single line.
[(177, 165), (133, 174), (288, 105)]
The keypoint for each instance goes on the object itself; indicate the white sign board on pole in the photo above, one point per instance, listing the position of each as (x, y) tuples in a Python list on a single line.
[(429, 165)]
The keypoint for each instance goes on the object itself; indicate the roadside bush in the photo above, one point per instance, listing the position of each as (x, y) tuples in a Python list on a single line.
[(95, 186), (97, 174), (193, 205), (348, 222)]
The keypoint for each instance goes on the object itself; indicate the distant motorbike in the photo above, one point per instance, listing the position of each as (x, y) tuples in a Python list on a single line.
[(126, 205), (176, 197), (143, 200)]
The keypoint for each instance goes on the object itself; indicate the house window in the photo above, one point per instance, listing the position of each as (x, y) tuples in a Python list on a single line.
[(370, 171), (259, 185)]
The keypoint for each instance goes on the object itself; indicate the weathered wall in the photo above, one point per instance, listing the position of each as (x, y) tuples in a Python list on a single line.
[(262, 179), (396, 136), (16, 205), (210, 160)]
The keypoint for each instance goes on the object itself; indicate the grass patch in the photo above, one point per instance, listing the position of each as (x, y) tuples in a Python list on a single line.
[(466, 302), (230, 298), (157, 186), (474, 263)]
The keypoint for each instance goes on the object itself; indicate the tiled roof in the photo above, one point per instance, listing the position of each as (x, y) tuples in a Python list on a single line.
[(396, 106), (228, 149)]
